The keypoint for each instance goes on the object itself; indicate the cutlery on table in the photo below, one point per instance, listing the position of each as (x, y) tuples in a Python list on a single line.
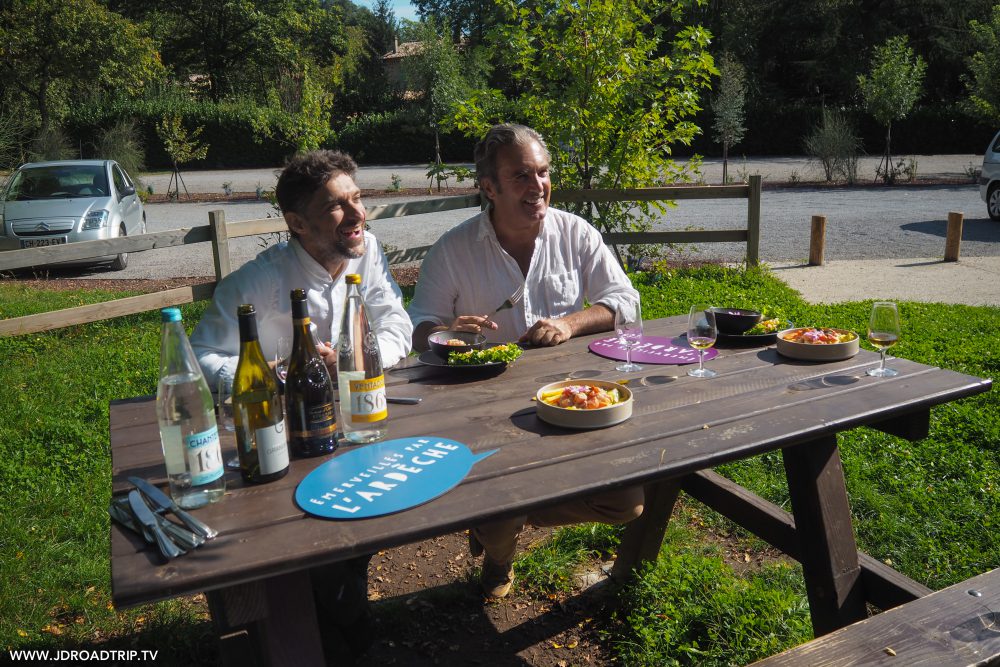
[(119, 511), (402, 400), (145, 516), (163, 503)]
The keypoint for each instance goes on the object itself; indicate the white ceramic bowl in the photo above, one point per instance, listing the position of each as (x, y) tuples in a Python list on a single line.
[(818, 351), (585, 419)]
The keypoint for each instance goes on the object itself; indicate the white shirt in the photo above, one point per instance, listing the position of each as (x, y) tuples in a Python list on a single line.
[(467, 272), (267, 282)]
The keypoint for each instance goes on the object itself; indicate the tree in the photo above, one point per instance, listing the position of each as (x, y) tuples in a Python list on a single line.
[(610, 91), (182, 146), (471, 19), (442, 76), (983, 81), (51, 50), (728, 105), (891, 89)]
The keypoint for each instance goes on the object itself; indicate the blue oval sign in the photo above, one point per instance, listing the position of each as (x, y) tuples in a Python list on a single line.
[(385, 477)]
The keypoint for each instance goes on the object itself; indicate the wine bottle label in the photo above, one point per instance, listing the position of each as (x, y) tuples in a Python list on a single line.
[(320, 420), (367, 398), (204, 456), (272, 448)]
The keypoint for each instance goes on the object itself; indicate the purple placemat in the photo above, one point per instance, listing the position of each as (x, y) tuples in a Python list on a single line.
[(652, 350)]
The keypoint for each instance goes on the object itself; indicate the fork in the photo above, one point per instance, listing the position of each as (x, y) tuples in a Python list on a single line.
[(513, 299)]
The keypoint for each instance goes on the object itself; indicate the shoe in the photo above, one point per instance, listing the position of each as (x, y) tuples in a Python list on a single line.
[(475, 546), (496, 578)]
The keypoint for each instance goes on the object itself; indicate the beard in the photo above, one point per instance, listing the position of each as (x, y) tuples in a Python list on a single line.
[(346, 252)]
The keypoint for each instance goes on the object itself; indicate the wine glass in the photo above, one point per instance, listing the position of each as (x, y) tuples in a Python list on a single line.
[(282, 351), (628, 326), (701, 335), (224, 412), (883, 333)]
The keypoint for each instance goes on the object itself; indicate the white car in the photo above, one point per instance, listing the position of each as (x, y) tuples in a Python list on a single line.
[(989, 179), (51, 203)]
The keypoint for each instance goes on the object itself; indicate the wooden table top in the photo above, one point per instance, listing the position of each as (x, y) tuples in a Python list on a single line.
[(759, 402)]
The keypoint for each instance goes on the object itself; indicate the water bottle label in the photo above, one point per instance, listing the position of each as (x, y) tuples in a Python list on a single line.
[(272, 448), (368, 399), (204, 456)]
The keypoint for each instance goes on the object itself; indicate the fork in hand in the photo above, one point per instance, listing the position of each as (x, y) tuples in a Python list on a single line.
[(511, 301)]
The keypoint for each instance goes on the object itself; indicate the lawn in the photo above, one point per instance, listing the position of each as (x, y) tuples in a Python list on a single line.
[(928, 508)]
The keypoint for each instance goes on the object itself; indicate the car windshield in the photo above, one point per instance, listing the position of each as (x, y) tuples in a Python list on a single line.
[(58, 182)]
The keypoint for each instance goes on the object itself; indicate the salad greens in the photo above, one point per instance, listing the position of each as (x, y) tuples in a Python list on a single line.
[(496, 354)]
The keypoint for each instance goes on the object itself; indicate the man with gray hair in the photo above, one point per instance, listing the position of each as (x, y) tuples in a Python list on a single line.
[(560, 263)]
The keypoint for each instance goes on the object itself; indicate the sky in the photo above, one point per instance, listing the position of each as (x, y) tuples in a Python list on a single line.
[(402, 8)]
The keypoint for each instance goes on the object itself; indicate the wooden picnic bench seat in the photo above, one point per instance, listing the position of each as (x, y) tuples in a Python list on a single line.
[(956, 626)]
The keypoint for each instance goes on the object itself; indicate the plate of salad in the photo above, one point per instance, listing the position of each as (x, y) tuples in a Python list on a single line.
[(496, 357)]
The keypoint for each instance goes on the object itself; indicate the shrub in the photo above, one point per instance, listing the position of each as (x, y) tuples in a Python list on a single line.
[(51, 143), (836, 147), (122, 142)]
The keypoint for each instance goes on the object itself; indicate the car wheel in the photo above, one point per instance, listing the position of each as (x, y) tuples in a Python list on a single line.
[(993, 201), (121, 261)]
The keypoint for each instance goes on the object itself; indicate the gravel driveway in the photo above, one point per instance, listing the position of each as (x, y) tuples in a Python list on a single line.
[(862, 223)]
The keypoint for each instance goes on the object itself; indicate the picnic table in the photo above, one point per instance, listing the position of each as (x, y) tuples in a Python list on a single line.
[(256, 572)]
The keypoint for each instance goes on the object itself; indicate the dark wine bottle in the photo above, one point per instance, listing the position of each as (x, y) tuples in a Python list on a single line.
[(257, 413), (309, 393)]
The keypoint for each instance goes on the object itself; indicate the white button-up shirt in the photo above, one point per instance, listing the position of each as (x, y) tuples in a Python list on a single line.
[(267, 282), (467, 272)]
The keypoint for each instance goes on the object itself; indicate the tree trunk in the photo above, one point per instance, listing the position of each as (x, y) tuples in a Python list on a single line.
[(725, 163)]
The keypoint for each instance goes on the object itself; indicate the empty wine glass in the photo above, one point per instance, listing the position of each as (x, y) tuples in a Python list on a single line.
[(282, 351), (701, 335), (628, 326), (224, 413), (883, 333)]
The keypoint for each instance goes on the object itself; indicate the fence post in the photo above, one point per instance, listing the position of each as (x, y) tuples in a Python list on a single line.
[(817, 240), (753, 221), (220, 244), (953, 241)]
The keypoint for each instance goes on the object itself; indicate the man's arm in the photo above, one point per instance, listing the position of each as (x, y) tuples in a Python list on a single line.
[(559, 330)]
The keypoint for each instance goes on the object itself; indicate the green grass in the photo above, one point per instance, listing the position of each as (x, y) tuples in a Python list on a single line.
[(929, 507)]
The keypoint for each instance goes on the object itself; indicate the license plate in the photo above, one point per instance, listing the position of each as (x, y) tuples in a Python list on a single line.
[(38, 243)]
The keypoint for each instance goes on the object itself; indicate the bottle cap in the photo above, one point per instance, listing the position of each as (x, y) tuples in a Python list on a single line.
[(352, 279), (170, 315), (245, 309)]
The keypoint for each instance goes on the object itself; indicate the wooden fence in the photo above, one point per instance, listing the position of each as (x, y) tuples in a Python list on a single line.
[(219, 233)]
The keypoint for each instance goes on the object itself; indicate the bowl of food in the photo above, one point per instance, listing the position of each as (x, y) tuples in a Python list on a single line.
[(734, 321), (584, 404), (443, 343), (818, 343)]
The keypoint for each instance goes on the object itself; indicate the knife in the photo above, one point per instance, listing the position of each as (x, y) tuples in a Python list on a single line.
[(402, 400), (163, 503), (184, 538), (145, 516)]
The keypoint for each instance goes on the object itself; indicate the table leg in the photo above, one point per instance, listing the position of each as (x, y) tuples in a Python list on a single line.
[(823, 523), (643, 536), (268, 622)]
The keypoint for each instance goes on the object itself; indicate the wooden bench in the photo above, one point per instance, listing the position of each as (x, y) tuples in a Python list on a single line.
[(956, 626)]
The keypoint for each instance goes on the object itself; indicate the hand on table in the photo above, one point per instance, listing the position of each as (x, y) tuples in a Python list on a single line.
[(547, 332)]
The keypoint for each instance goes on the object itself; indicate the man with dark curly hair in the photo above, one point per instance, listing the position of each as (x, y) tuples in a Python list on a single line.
[(322, 206)]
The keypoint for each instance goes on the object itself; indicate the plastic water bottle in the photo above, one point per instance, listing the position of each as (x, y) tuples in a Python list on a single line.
[(188, 431), (363, 412)]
